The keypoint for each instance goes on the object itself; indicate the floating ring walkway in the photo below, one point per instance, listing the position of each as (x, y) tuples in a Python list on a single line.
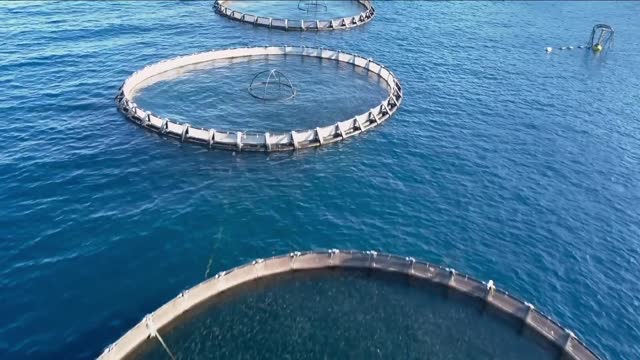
[(260, 141), (299, 25), (531, 319)]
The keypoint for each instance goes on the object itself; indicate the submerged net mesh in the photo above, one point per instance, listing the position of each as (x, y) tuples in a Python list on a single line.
[(405, 270)]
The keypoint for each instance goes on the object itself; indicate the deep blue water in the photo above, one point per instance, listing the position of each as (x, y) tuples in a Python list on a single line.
[(503, 162)]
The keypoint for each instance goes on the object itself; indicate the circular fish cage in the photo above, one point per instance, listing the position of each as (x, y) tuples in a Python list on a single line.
[(271, 85), (263, 140), (534, 334), (312, 5), (366, 14)]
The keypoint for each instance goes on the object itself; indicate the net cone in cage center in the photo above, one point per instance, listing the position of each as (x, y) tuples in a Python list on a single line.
[(271, 85), (313, 5)]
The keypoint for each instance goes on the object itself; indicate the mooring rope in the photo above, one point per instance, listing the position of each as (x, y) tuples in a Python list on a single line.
[(154, 332), (218, 237), (550, 49)]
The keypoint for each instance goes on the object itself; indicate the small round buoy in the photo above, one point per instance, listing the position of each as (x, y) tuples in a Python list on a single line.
[(562, 48), (597, 48), (548, 49), (581, 47), (570, 48)]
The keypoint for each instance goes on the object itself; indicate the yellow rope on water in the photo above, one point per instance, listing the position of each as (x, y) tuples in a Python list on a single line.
[(218, 237)]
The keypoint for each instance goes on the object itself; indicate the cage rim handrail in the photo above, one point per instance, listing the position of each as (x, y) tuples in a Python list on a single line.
[(566, 341), (342, 23), (236, 140)]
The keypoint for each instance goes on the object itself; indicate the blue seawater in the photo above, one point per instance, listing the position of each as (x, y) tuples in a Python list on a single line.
[(503, 162)]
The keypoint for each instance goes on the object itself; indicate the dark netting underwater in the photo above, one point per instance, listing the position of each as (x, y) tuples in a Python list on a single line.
[(340, 304)]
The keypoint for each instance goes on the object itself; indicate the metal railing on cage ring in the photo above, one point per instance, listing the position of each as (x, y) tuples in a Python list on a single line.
[(299, 25)]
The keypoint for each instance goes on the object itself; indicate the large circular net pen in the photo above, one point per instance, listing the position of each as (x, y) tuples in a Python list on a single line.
[(223, 8), (260, 141), (527, 320)]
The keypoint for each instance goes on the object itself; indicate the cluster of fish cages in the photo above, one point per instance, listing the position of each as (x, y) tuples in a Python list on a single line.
[(274, 85)]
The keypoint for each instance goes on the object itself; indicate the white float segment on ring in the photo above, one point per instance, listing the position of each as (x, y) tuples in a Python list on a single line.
[(495, 299), (305, 25), (237, 140)]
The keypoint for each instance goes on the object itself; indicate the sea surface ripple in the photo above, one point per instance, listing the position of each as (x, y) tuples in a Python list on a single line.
[(503, 162)]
